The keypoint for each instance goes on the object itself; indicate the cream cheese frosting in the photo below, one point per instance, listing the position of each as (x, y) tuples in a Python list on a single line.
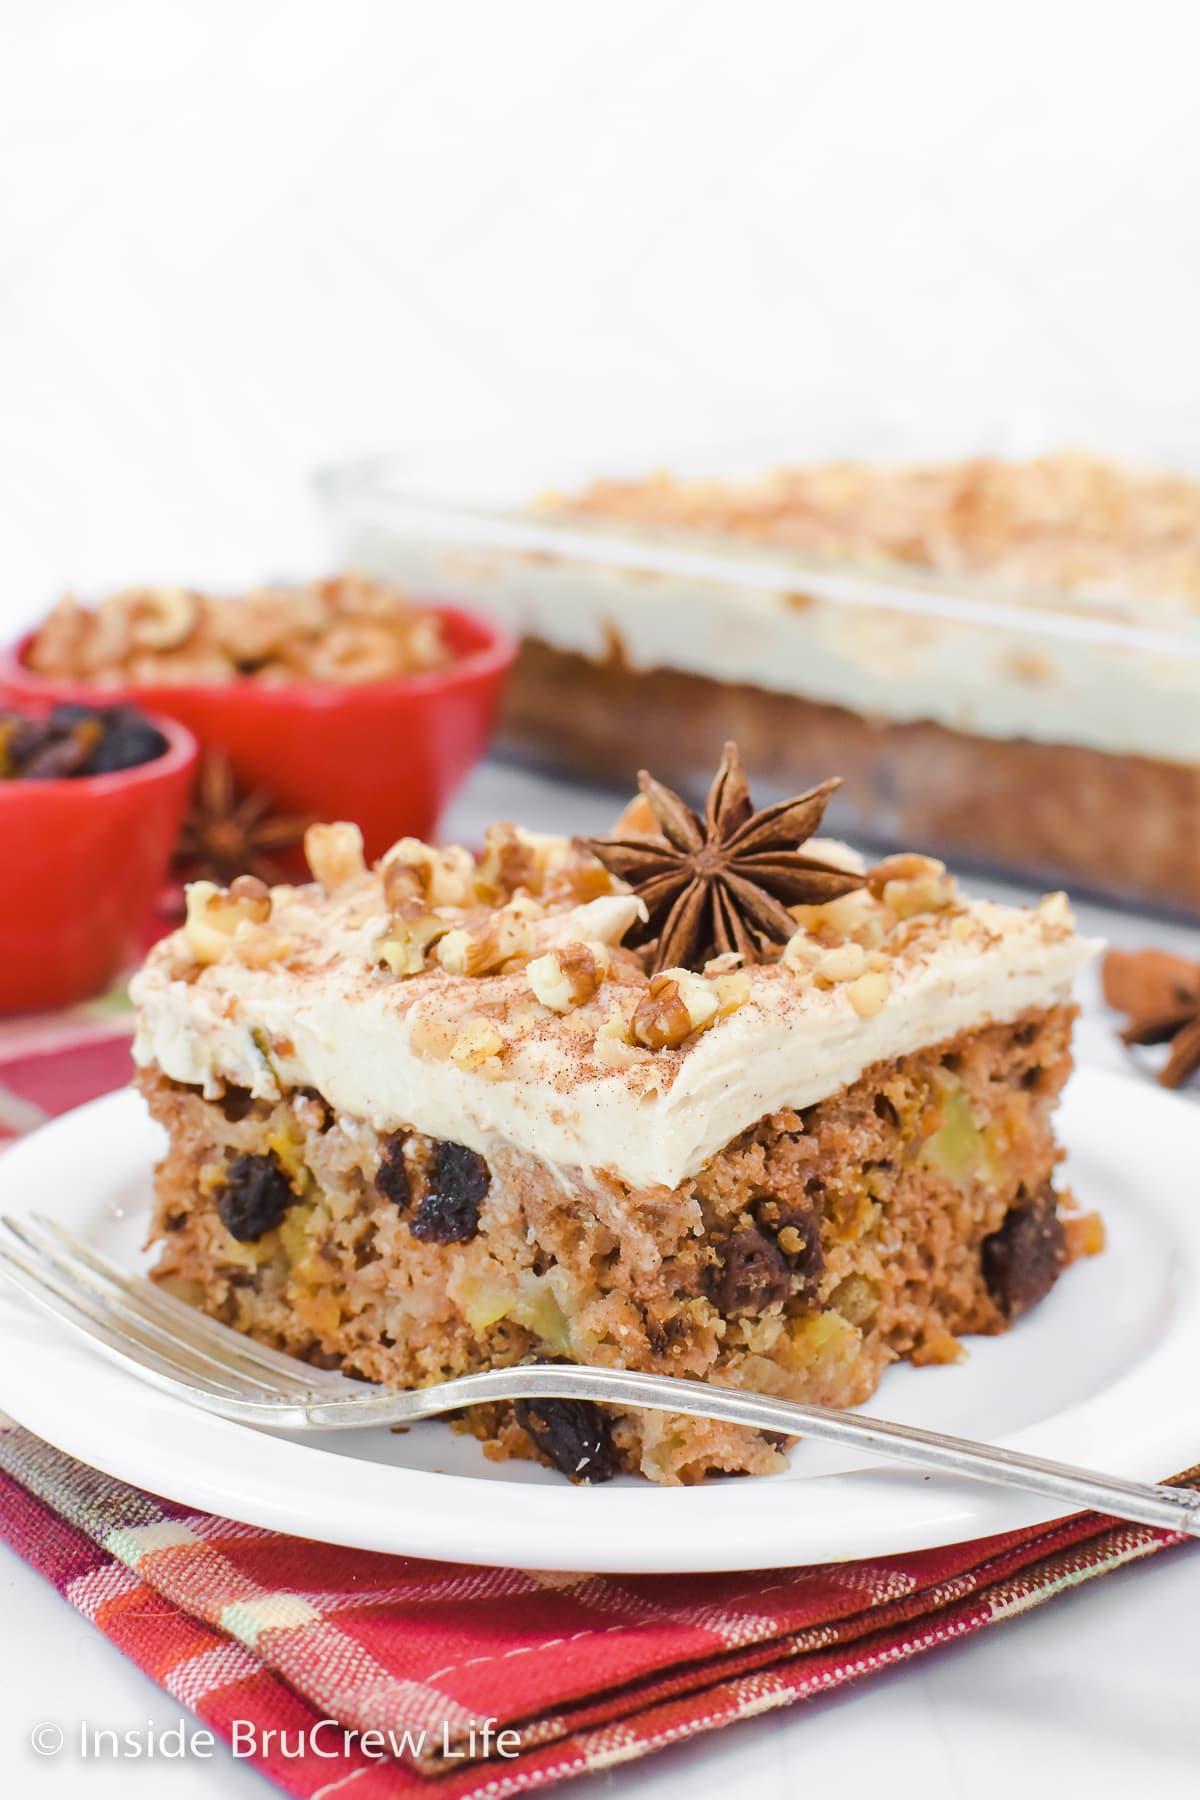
[(326, 1013), (883, 644)]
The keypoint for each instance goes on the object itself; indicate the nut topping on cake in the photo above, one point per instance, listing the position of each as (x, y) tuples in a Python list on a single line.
[(215, 915), (436, 1116), (569, 976), (334, 853), (723, 885)]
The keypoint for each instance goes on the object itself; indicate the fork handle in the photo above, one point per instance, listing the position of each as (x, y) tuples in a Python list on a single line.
[(1174, 1509)]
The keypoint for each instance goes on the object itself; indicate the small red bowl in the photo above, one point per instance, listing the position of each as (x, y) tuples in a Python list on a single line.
[(84, 861), (388, 755)]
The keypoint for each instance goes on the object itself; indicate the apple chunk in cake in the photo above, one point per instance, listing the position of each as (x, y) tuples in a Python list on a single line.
[(448, 1113)]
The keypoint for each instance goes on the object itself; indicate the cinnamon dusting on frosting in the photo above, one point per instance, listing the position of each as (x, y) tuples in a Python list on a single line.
[(475, 997)]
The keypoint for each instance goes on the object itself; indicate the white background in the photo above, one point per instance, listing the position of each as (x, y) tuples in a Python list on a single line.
[(242, 237), (239, 238)]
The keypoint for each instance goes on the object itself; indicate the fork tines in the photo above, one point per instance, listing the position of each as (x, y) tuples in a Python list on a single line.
[(140, 1322)]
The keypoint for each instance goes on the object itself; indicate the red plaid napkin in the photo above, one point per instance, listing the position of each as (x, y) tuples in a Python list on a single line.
[(328, 1667)]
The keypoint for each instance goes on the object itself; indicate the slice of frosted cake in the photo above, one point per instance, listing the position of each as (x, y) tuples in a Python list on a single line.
[(705, 1098)]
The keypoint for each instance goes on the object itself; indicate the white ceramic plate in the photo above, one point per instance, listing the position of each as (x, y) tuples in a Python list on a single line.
[(1102, 1373)]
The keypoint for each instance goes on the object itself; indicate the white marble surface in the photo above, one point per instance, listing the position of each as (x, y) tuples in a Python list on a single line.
[(1094, 1694)]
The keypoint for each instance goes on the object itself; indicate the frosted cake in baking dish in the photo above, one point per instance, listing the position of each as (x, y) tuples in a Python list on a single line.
[(1001, 658)]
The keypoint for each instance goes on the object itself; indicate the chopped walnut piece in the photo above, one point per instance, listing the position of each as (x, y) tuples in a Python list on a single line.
[(732, 990), (508, 863), (515, 860), (523, 908), (334, 853), (485, 948), (829, 965), (910, 884), (907, 865), (568, 976), (409, 934), (257, 946), (843, 963), (477, 1048), (431, 1034), (446, 876), (618, 1053), (62, 643), (678, 1003), (352, 650), (579, 879), (614, 1046), (402, 882), (259, 626), (857, 916), (343, 629), (802, 952), (214, 915), (868, 994), (461, 954), (253, 896), (661, 1020), (161, 618), (699, 996), (1056, 916)]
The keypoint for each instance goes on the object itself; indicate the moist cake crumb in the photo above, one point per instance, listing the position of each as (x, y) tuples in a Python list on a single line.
[(395, 1151)]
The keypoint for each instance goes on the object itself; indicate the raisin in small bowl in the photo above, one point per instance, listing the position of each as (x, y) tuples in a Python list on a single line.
[(90, 805)]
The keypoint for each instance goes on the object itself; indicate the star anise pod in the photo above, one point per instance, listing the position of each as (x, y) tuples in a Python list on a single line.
[(1161, 994), (723, 883), (226, 832)]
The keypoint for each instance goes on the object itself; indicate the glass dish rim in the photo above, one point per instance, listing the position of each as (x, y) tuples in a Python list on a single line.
[(392, 481)]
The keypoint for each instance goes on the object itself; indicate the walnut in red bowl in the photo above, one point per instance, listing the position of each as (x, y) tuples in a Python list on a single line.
[(345, 629), (339, 699)]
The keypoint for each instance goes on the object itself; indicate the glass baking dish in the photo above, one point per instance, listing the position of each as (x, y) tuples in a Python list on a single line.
[(1052, 737)]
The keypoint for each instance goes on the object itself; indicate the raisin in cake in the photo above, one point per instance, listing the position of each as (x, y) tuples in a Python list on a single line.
[(455, 1110)]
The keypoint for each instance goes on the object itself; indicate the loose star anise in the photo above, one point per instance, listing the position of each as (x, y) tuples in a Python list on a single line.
[(226, 833), (1161, 994), (723, 883)]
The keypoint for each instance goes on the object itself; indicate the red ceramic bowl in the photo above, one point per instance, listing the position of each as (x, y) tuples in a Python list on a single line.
[(388, 754), (84, 861)]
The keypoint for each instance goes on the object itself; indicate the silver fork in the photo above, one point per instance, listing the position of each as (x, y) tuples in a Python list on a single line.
[(178, 1349)]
